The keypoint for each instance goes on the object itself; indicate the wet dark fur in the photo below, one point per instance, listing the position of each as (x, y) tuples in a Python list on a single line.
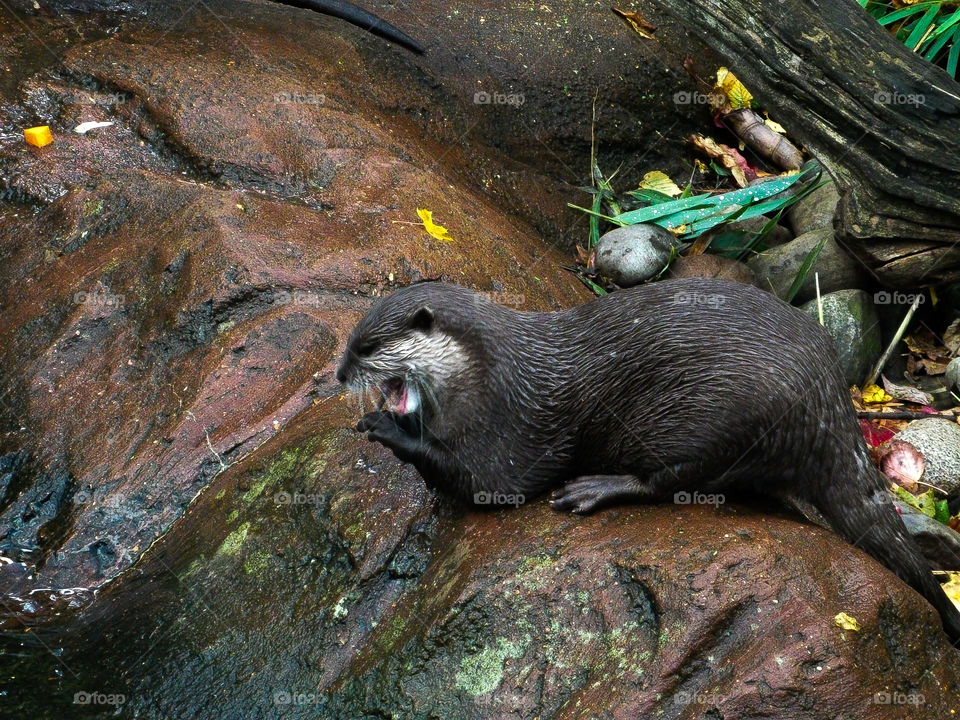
[(737, 392)]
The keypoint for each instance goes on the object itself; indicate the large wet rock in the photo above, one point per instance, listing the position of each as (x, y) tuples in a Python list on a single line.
[(183, 278), (321, 579), (178, 460)]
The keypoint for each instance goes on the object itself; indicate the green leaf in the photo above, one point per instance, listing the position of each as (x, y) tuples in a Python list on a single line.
[(594, 236), (732, 243), (719, 169), (652, 196), (908, 498), (927, 503), (937, 46), (954, 54), (593, 286), (921, 26), (941, 511), (665, 210), (599, 215), (905, 12), (805, 269)]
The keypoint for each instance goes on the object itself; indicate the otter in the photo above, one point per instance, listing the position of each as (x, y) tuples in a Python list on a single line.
[(687, 385), (359, 17)]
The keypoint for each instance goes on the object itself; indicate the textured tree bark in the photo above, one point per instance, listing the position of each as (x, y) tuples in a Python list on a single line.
[(881, 119)]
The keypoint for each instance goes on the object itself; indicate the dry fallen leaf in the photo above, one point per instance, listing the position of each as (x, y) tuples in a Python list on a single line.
[(437, 231), (907, 393), (661, 182), (737, 95), (636, 21), (731, 159), (903, 463)]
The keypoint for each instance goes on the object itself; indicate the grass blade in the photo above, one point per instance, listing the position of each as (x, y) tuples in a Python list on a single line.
[(805, 269)]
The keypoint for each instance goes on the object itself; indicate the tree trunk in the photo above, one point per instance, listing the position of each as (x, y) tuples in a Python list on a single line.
[(883, 121)]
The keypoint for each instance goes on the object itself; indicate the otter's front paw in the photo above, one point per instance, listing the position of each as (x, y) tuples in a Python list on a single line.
[(384, 421), (377, 420), (389, 430)]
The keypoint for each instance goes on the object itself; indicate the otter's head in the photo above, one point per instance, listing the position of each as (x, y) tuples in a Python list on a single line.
[(411, 346)]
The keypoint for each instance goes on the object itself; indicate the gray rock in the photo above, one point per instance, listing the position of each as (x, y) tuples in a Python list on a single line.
[(629, 255), (953, 375), (816, 210), (851, 320), (938, 439), (939, 544), (777, 267)]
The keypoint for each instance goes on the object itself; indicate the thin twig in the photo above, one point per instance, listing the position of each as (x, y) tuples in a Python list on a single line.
[(878, 368), (903, 414)]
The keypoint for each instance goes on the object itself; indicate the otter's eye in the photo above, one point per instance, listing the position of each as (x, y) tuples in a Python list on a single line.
[(366, 349)]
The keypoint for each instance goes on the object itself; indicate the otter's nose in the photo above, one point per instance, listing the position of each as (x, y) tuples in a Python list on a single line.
[(341, 374)]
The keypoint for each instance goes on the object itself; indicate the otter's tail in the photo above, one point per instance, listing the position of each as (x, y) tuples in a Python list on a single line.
[(877, 529)]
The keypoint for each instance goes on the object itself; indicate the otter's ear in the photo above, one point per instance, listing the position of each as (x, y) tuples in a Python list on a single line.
[(422, 319)]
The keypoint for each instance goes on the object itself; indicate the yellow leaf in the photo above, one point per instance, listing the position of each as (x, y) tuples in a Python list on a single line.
[(775, 126), (847, 622), (660, 182), (875, 394), (952, 587), (735, 91), (438, 231)]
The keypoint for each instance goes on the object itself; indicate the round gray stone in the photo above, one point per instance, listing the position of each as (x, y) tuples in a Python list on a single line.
[(938, 439), (629, 255)]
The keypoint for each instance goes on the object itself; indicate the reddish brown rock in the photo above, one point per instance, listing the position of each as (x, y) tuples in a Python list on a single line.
[(387, 599), (712, 266), (179, 459)]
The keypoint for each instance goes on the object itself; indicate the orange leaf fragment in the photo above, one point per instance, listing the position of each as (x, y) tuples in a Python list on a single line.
[(38, 136)]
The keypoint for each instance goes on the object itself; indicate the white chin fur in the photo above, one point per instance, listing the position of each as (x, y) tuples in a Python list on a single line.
[(411, 400)]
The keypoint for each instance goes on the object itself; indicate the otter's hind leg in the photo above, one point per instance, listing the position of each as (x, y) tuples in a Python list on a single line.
[(591, 492)]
